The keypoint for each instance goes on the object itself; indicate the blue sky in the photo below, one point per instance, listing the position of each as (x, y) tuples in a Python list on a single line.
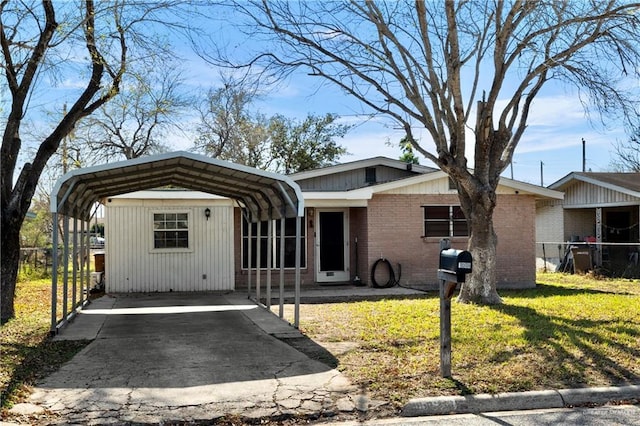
[(556, 127), (557, 123), (554, 135)]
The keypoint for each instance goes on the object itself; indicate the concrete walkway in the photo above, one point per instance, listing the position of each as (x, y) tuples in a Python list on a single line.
[(183, 357)]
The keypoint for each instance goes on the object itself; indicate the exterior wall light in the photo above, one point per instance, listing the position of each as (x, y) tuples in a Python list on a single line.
[(207, 213)]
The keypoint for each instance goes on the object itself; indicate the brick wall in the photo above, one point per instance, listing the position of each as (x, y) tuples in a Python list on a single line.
[(358, 229), (515, 225), (395, 225), (392, 227)]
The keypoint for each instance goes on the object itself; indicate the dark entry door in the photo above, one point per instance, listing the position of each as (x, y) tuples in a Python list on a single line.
[(618, 226), (331, 246)]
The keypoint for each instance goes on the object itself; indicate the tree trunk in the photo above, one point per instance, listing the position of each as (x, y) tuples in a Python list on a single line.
[(10, 260), (480, 286)]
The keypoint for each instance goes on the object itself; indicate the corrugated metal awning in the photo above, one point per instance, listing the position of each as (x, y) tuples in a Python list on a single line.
[(264, 194)]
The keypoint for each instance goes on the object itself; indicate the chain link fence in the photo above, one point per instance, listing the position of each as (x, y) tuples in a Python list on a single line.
[(619, 260), (36, 259)]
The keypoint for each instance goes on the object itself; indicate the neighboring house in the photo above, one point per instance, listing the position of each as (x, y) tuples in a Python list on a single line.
[(602, 209), (355, 214)]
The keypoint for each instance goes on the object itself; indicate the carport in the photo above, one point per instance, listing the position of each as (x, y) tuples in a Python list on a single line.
[(76, 196)]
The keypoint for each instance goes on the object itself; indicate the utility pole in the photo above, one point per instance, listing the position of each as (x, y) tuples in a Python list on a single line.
[(65, 165), (584, 156), (541, 173)]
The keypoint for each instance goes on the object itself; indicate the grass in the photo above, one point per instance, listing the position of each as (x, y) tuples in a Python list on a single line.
[(571, 331), (28, 353)]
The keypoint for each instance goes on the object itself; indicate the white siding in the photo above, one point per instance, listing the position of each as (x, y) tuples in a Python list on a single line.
[(133, 266), (583, 194), (437, 186)]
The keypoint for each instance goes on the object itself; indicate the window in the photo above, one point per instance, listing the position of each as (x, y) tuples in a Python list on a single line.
[(452, 185), (370, 175), (445, 221), (170, 230), (289, 244)]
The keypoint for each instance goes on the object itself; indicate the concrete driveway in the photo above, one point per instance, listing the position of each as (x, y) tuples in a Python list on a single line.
[(158, 358)]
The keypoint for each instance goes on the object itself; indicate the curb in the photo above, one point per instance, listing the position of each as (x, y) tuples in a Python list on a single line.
[(511, 401)]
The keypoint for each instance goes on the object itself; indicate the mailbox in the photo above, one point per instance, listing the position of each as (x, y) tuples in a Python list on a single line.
[(456, 262)]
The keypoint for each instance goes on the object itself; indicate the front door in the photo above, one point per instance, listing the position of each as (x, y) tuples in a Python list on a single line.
[(332, 245)]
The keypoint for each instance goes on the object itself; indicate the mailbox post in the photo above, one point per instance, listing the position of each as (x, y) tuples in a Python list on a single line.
[(453, 267)]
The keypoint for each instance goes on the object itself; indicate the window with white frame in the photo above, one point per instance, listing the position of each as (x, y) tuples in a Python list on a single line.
[(445, 221), (289, 244), (171, 230)]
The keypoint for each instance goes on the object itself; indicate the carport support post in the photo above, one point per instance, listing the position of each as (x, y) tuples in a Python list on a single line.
[(54, 274), (296, 315), (86, 252), (65, 266), (599, 235), (258, 260), (445, 322), (76, 265), (281, 308), (81, 256), (249, 251), (269, 248)]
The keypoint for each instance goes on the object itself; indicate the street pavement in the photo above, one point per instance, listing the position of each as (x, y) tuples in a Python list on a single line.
[(162, 358), (624, 415)]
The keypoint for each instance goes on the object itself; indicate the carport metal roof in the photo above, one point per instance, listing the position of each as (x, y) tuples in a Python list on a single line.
[(264, 194)]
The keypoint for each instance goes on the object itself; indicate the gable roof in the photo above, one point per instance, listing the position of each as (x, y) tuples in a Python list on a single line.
[(421, 174), (626, 183), (368, 192), (262, 193), (360, 164)]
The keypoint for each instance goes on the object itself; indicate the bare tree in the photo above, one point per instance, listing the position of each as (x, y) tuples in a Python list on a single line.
[(627, 153), (253, 148), (231, 129), (447, 67), (225, 116), (136, 122), (43, 43)]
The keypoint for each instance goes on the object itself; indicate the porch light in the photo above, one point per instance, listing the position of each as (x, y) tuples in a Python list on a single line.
[(207, 213)]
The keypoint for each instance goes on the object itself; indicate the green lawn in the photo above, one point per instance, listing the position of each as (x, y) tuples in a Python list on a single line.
[(570, 331), (27, 351)]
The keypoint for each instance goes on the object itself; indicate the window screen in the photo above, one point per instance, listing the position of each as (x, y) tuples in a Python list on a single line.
[(445, 221), (370, 175), (170, 230), (289, 244)]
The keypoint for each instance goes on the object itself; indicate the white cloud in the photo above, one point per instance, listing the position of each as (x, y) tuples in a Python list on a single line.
[(556, 111), (371, 142)]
